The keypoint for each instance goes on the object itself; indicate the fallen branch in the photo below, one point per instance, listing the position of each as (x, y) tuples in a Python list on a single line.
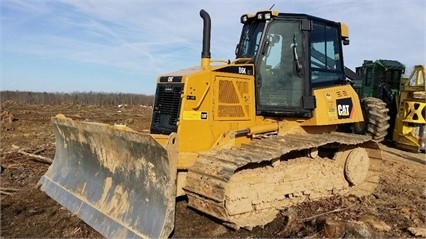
[(325, 213), (38, 151), (8, 191), (36, 157), (5, 193)]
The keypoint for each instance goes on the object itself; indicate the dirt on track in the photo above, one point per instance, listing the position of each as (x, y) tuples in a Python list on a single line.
[(396, 209)]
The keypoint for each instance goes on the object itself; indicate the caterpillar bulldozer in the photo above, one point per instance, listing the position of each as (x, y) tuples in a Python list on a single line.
[(393, 106), (240, 139)]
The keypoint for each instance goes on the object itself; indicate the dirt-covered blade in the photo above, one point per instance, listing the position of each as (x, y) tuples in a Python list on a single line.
[(118, 181)]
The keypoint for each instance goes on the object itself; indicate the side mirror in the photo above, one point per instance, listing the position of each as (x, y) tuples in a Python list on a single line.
[(345, 41)]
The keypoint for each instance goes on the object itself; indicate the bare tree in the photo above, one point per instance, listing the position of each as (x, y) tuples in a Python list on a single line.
[(83, 98)]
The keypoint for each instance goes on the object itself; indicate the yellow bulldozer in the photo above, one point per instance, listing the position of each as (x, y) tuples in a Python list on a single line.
[(240, 139)]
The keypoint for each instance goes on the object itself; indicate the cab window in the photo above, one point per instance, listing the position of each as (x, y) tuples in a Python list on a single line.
[(326, 58), (281, 86)]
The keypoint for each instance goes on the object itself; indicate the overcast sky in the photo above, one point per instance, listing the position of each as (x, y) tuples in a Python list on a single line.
[(122, 46)]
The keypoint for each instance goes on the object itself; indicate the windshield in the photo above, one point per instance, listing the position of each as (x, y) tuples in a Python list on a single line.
[(250, 39)]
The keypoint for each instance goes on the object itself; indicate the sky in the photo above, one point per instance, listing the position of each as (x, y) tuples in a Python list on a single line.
[(122, 46)]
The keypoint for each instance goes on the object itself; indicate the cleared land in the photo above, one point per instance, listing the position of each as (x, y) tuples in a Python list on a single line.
[(396, 209)]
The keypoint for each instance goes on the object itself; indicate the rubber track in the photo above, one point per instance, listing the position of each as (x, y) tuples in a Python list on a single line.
[(208, 178)]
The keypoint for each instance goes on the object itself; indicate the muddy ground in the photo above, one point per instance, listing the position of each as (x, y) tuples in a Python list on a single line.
[(397, 209)]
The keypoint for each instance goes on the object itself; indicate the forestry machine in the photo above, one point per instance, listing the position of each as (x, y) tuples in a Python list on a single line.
[(240, 139), (409, 132), (394, 106)]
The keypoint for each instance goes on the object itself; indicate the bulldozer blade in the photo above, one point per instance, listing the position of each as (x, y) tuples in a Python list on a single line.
[(118, 181)]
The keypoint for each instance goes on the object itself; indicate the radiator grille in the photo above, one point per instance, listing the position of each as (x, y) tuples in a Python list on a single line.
[(230, 93), (166, 108), (227, 93), (231, 111)]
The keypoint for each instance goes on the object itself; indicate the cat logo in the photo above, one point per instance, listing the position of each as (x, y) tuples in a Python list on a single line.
[(344, 108), (203, 115)]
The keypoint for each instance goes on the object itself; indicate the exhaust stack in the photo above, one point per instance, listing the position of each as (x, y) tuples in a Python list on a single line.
[(205, 54)]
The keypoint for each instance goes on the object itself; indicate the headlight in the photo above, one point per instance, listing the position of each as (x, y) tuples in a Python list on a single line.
[(244, 18), (267, 16)]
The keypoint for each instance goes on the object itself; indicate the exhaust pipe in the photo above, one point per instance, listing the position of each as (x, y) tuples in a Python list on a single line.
[(205, 54)]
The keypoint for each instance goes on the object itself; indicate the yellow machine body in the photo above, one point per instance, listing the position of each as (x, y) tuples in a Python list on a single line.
[(217, 105)]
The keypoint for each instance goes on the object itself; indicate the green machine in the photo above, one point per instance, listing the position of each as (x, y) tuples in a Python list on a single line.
[(380, 79), (377, 84), (394, 107)]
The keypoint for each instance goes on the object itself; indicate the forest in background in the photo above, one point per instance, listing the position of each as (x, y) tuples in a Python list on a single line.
[(81, 98)]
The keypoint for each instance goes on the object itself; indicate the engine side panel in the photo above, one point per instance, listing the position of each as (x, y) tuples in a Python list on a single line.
[(336, 105)]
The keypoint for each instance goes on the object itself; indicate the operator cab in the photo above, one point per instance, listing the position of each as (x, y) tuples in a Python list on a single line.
[(292, 54)]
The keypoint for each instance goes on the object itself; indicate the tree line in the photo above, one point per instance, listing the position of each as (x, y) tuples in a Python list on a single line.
[(81, 98)]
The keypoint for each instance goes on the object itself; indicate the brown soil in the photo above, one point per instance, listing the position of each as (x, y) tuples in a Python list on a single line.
[(397, 204)]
